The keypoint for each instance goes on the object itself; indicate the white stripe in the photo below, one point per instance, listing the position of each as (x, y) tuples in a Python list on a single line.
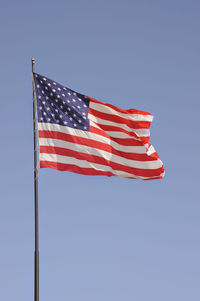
[(151, 150), (91, 136), (86, 164), (117, 135), (100, 153), (138, 132), (105, 109)]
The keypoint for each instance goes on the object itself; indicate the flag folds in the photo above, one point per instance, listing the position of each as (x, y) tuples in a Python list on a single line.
[(80, 134)]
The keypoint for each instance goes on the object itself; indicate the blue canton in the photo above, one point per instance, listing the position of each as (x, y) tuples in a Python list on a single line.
[(59, 105)]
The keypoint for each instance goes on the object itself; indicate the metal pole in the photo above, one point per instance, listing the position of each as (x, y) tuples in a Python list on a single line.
[(36, 255)]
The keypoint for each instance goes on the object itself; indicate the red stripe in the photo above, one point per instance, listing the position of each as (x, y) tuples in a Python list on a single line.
[(155, 178), (95, 144), (112, 128), (79, 170), (123, 141), (74, 168), (129, 111), (119, 119), (100, 160)]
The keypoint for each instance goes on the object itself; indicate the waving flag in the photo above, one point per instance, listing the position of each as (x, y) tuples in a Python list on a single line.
[(80, 134)]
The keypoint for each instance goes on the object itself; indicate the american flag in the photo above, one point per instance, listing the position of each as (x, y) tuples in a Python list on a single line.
[(80, 134)]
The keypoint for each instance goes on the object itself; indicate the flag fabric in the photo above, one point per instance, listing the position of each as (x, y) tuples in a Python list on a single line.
[(80, 134)]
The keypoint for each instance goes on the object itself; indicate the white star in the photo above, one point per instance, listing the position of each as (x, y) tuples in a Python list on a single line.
[(44, 102), (58, 89), (39, 97), (49, 119), (63, 102), (38, 86), (52, 104), (63, 95), (85, 106), (44, 79), (74, 100), (66, 113), (53, 90), (74, 93), (69, 93), (48, 109), (85, 128), (54, 83), (57, 120), (36, 75), (58, 96), (68, 109), (84, 117), (41, 81), (74, 115), (60, 116), (44, 113), (49, 84), (79, 99), (47, 97), (78, 107), (42, 92), (75, 124), (40, 108), (79, 121), (56, 100), (51, 94), (65, 122), (41, 118), (70, 118), (52, 115), (83, 113), (56, 110), (68, 100), (61, 107), (46, 88)]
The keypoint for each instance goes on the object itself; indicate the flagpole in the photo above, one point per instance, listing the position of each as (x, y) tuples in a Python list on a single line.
[(36, 253)]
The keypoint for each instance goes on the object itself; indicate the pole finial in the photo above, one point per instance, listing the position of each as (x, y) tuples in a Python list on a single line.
[(33, 63)]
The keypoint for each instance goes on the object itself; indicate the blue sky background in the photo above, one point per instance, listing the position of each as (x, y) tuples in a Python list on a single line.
[(103, 238)]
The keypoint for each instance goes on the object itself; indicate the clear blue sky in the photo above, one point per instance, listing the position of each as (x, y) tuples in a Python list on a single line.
[(103, 238)]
